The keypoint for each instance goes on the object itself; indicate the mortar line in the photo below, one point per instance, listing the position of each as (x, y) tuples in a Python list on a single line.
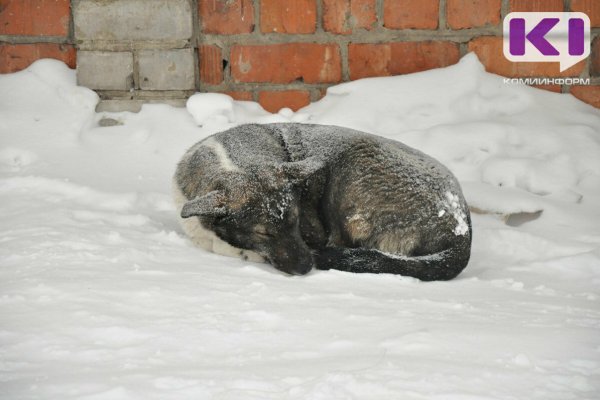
[(71, 33), (257, 9), (319, 25), (379, 12), (28, 39), (136, 70), (195, 43), (442, 22), (504, 10)]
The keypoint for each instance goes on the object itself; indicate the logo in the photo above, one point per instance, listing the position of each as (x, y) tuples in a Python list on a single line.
[(547, 37)]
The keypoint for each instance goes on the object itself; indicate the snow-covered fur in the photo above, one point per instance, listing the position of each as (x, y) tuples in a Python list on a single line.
[(304, 196)]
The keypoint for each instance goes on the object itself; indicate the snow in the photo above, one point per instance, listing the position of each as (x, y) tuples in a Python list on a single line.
[(451, 204), (103, 297)]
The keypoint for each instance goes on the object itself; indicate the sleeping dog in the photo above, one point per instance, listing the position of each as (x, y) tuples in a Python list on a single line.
[(313, 196)]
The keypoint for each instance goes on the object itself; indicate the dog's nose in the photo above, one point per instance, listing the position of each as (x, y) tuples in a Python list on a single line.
[(297, 263), (302, 269)]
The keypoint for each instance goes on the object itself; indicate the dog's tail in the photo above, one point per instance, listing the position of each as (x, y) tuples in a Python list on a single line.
[(441, 266)]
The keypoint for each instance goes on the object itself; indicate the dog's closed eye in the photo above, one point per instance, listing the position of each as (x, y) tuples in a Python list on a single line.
[(261, 230)]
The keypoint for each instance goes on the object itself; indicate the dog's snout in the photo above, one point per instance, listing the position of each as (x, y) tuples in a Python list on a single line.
[(293, 260)]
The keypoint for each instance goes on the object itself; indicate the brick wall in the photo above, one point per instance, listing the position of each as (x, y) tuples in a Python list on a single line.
[(277, 52), (30, 30)]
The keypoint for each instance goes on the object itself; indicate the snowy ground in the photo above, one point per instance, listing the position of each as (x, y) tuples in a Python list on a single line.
[(102, 297)]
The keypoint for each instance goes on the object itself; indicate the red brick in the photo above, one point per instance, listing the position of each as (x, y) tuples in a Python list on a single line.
[(367, 60), (240, 95), (595, 58), (550, 88), (286, 62), (226, 16), (489, 51), (342, 16), (273, 101), (387, 59), (409, 57), (536, 5), (411, 14), (211, 64), (587, 94), (20, 56), (461, 14), (590, 7), (291, 16), (34, 17)]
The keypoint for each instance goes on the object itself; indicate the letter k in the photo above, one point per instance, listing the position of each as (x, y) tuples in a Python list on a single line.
[(536, 36)]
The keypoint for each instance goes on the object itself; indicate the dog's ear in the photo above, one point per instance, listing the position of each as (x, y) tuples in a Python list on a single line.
[(210, 205), (299, 171)]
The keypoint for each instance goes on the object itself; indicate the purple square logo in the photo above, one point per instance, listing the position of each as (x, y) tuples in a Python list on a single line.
[(547, 37)]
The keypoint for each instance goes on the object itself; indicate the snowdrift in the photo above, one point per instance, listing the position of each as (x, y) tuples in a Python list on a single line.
[(102, 296)]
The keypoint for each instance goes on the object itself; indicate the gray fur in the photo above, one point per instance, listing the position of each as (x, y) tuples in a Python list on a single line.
[(305, 196)]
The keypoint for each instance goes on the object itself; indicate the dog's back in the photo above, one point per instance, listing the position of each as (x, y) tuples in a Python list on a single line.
[(389, 208)]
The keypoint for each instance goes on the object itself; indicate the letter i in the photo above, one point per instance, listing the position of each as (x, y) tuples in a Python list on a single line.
[(517, 36), (576, 37)]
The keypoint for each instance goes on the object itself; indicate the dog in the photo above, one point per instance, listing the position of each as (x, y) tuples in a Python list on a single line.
[(304, 196)]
